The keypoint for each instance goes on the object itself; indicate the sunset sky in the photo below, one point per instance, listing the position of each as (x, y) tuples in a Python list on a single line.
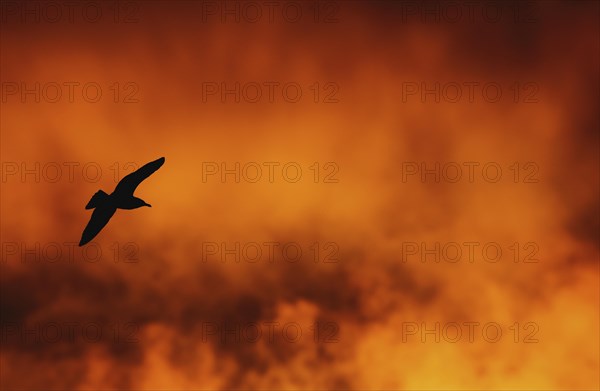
[(357, 195)]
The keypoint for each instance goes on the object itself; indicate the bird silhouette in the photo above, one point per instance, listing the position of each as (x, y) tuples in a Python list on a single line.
[(106, 205)]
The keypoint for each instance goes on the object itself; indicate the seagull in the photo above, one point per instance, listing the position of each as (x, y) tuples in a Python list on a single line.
[(106, 205)]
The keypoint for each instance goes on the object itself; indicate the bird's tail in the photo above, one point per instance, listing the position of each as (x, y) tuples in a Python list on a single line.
[(96, 199)]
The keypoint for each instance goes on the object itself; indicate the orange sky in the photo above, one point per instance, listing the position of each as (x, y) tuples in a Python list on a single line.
[(158, 282)]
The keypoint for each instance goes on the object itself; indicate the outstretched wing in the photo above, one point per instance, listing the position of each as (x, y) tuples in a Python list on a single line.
[(128, 184), (99, 219)]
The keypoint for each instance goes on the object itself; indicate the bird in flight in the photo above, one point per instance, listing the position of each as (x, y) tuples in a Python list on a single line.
[(106, 205)]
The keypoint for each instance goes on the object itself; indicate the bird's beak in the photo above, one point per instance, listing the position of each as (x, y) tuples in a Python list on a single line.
[(149, 205)]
